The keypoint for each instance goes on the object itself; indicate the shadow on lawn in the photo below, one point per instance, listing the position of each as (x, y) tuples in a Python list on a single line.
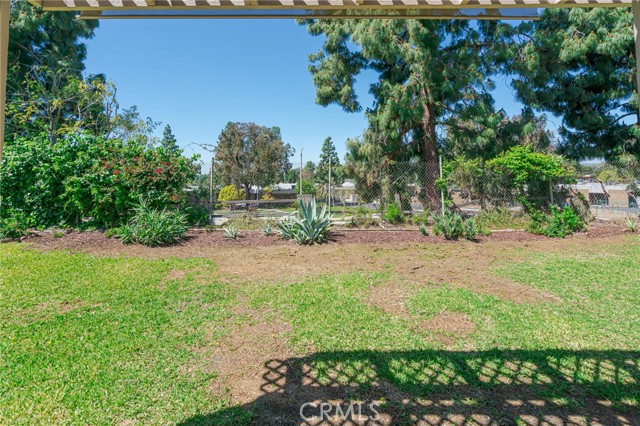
[(518, 387)]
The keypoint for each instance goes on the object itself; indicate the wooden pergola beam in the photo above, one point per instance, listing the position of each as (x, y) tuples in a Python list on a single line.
[(5, 12), (153, 6)]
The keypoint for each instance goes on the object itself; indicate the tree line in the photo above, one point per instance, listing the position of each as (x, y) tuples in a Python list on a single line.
[(432, 97)]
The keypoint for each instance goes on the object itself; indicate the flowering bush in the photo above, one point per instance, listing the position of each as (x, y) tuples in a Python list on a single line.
[(83, 180)]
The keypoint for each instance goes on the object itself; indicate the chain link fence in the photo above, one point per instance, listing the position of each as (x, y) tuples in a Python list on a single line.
[(607, 191)]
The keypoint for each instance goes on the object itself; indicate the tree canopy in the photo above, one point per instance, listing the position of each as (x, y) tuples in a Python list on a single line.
[(430, 73), (579, 64), (248, 154), (328, 154)]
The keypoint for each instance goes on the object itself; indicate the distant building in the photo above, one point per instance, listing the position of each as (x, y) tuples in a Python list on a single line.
[(605, 195)]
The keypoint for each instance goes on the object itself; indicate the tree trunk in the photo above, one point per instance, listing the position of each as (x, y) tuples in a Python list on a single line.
[(429, 192)]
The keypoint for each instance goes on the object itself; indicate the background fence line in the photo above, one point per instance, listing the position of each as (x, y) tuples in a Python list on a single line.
[(609, 191)]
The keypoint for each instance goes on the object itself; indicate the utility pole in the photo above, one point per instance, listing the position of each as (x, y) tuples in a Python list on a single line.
[(211, 189), (301, 173), (329, 184)]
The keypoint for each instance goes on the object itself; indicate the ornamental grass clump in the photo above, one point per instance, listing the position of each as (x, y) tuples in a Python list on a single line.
[(153, 227)]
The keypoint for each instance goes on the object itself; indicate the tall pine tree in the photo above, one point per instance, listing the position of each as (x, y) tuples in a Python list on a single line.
[(431, 73), (328, 154), (169, 141), (579, 64)]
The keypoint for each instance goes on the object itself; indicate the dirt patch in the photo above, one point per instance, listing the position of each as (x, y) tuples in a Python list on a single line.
[(450, 323), (390, 298), (175, 275), (256, 258)]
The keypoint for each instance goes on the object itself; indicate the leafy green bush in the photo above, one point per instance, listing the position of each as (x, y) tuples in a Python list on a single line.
[(82, 180), (421, 218), (230, 193), (196, 215), (361, 217), (111, 232), (312, 226), (393, 214), (14, 226), (423, 230), (527, 172), (153, 227), (308, 187), (559, 222)]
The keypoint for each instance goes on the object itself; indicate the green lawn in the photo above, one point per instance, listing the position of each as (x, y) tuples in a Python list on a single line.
[(90, 340)]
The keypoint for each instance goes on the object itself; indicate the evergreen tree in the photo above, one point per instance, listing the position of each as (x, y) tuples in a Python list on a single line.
[(329, 154), (169, 141), (579, 64), (430, 73), (53, 40)]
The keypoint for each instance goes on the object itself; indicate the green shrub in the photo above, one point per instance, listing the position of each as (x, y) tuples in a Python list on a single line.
[(196, 215), (84, 181), (13, 226), (449, 225), (527, 172), (308, 187), (153, 227), (423, 230), (393, 214), (111, 232), (470, 229), (230, 193), (558, 223), (421, 218), (362, 217), (58, 234), (502, 218)]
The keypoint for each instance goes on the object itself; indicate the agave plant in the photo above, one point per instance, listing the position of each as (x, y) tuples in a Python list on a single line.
[(287, 228), (631, 224), (266, 229), (312, 226), (423, 230), (231, 233)]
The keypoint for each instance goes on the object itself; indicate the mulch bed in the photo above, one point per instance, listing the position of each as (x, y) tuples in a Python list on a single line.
[(92, 241)]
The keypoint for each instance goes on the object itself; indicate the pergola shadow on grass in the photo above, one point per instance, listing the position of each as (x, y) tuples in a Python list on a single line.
[(437, 387)]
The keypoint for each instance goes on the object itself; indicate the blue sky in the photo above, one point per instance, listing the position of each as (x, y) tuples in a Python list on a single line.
[(197, 75)]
